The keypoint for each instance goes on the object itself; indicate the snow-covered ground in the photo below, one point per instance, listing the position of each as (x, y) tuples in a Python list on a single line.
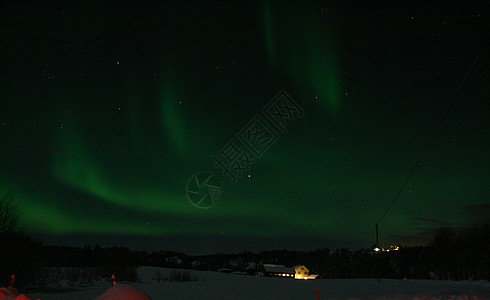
[(213, 285)]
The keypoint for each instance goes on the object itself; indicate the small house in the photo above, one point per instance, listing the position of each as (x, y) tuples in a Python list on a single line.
[(301, 272)]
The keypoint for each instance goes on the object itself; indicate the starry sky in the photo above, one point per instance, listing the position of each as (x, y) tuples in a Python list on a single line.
[(108, 111)]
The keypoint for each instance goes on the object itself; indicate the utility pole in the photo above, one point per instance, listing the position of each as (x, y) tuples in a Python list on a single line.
[(377, 258)]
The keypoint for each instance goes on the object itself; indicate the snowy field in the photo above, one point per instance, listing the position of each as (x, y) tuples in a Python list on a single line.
[(213, 285)]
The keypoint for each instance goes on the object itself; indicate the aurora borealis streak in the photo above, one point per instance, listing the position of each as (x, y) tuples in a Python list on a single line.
[(107, 112), (302, 44)]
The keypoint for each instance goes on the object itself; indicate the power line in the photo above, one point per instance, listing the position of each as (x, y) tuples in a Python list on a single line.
[(433, 137)]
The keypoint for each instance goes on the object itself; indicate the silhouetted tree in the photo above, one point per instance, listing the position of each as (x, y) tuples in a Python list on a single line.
[(9, 216)]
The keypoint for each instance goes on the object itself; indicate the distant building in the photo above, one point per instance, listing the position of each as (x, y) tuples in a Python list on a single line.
[(391, 248), (298, 272), (250, 271), (224, 270), (301, 272), (278, 271)]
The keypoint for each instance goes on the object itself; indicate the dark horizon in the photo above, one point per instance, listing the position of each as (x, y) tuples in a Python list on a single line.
[(198, 245)]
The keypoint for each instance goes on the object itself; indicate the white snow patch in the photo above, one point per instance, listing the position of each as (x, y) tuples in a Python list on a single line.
[(214, 285)]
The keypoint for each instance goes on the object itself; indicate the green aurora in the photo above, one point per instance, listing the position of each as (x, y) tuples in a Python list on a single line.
[(102, 131)]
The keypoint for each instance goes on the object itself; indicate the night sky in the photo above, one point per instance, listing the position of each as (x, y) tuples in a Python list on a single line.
[(107, 112)]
